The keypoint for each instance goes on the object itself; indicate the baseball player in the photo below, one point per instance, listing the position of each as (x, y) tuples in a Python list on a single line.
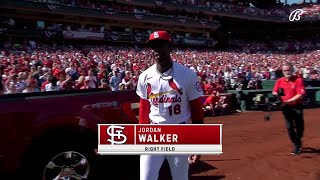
[(169, 94)]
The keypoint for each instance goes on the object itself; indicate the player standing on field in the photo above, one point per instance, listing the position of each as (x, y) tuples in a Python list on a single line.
[(169, 94)]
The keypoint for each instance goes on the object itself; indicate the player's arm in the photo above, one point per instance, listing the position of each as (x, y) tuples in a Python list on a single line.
[(144, 111), (194, 93), (144, 105)]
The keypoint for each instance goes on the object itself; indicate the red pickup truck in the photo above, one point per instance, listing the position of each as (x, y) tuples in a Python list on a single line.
[(53, 135)]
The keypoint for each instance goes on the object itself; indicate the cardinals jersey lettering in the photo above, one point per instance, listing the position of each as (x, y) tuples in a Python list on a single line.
[(169, 96)]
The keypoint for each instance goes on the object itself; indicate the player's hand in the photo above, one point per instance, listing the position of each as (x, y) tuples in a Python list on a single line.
[(193, 159), (274, 93)]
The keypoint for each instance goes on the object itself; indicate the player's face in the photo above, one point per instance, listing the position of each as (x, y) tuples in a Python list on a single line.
[(161, 52)]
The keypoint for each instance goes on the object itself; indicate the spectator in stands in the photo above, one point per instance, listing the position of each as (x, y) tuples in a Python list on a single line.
[(219, 85), (11, 88), (135, 78), (11, 84), (314, 75), (92, 80), (122, 87), (202, 84), (104, 85), (52, 84), (115, 81), (80, 81), (242, 82), (61, 80), (102, 74), (1, 82), (72, 71), (31, 87), (5, 75), (252, 84), (267, 75), (125, 69), (21, 84), (44, 76), (85, 84), (208, 87), (34, 72), (218, 66), (65, 83), (127, 81)]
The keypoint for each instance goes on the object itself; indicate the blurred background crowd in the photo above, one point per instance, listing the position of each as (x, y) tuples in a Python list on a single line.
[(43, 68), (236, 6)]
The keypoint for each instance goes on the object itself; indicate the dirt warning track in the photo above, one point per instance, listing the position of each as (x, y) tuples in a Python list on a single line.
[(257, 150)]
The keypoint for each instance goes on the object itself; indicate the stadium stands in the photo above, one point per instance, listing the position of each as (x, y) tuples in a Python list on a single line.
[(33, 66)]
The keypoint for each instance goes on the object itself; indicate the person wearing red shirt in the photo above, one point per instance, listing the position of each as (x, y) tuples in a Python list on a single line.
[(127, 81), (292, 107), (219, 85), (267, 75), (44, 85), (208, 87), (211, 103)]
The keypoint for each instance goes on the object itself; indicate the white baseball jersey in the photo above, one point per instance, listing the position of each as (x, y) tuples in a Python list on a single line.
[(169, 96)]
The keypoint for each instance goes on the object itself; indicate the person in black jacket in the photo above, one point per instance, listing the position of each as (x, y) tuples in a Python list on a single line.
[(243, 81)]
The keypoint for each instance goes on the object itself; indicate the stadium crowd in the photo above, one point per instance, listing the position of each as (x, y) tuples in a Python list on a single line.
[(35, 67), (310, 10)]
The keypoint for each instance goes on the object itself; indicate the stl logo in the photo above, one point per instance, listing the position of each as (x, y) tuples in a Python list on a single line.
[(156, 35), (116, 133), (295, 15)]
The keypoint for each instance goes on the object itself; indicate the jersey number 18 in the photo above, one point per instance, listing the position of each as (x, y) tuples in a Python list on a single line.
[(176, 109)]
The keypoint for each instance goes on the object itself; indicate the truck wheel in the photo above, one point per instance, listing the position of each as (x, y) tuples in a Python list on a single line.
[(67, 165), (61, 158)]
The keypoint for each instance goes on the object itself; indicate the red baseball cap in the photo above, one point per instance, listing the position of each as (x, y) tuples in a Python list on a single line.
[(159, 36)]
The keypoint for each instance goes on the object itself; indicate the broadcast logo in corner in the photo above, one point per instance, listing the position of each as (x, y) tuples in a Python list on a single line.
[(295, 15), (116, 135)]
